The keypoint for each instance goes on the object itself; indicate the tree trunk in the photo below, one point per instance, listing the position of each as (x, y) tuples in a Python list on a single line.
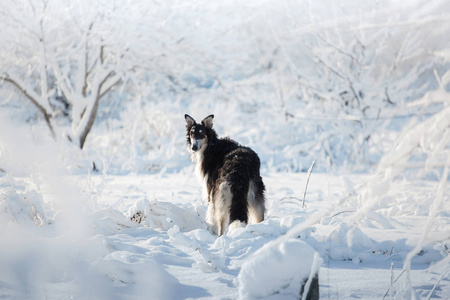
[(101, 92), (90, 122)]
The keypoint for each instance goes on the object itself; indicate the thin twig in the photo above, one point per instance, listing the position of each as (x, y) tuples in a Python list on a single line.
[(436, 285), (342, 212), (392, 284), (392, 281), (307, 182)]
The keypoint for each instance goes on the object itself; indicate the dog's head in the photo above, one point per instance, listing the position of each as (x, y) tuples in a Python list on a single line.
[(197, 134)]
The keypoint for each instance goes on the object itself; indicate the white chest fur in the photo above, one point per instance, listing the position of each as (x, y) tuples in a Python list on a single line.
[(203, 178)]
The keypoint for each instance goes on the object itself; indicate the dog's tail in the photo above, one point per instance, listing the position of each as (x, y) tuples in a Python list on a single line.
[(256, 200), (247, 199), (239, 191)]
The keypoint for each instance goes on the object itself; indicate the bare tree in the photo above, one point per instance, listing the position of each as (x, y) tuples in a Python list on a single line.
[(74, 58)]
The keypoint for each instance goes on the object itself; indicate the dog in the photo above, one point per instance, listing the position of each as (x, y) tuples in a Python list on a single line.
[(230, 175)]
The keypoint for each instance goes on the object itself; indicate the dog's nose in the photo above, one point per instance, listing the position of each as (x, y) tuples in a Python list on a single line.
[(195, 145)]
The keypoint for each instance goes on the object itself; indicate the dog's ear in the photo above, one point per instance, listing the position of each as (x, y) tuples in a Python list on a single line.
[(189, 121), (208, 121)]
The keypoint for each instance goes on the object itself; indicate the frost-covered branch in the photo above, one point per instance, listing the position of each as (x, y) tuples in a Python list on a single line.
[(35, 99), (107, 84)]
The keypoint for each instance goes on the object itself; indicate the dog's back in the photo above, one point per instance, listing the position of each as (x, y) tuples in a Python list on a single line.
[(234, 187), (238, 170)]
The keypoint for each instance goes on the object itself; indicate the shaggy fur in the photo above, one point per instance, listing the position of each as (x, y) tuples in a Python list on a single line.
[(230, 176)]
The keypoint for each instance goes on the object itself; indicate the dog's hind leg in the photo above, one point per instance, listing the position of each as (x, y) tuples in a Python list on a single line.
[(256, 201), (222, 226), (222, 202)]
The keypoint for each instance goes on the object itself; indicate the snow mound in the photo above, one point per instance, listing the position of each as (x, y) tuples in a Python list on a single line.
[(138, 274), (110, 221), (278, 270), (347, 242), (23, 209), (165, 215)]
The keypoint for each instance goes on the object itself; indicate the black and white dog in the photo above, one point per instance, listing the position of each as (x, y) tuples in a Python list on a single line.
[(230, 176)]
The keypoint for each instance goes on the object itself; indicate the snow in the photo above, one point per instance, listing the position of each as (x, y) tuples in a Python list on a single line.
[(346, 105), (101, 253)]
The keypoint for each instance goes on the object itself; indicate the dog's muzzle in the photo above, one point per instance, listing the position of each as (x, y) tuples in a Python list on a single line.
[(195, 145)]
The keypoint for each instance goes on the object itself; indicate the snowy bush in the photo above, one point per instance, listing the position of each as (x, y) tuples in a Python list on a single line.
[(424, 144), (21, 209), (422, 150)]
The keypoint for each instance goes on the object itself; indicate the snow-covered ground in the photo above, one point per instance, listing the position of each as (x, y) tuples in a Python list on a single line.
[(86, 247), (361, 88)]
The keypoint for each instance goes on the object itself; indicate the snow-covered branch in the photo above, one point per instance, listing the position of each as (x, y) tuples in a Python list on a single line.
[(31, 95), (110, 81)]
